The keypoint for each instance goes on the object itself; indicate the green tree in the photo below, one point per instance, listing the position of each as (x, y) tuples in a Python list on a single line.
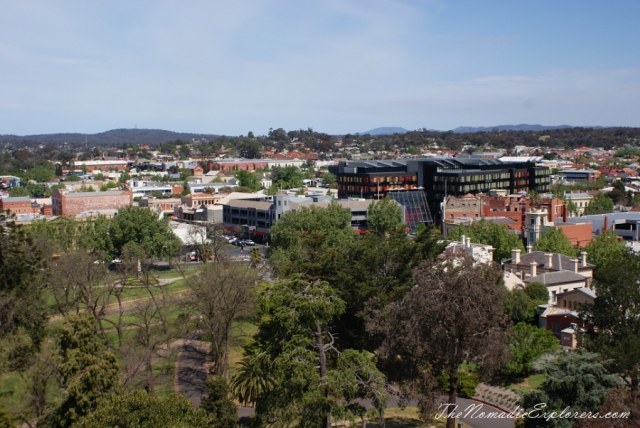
[(453, 315), (248, 179), (311, 381), (87, 372), (328, 179), (286, 177), (489, 233), (576, 381), (17, 192), (139, 409), (250, 149), (58, 170), (124, 177), (384, 216), (600, 204), (537, 291), (22, 313), (527, 343), (40, 173), (217, 403), (555, 241), (142, 226), (288, 232), (615, 314), (605, 250), (251, 378), (109, 185), (519, 307)]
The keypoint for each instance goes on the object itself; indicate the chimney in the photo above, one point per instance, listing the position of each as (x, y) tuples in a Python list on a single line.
[(606, 223), (515, 256), (529, 248), (463, 239), (583, 256), (490, 250), (468, 242), (575, 264), (534, 270), (548, 264), (559, 261), (565, 214)]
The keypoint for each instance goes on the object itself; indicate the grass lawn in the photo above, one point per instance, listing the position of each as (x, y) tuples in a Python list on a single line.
[(409, 417), (528, 384), (242, 333)]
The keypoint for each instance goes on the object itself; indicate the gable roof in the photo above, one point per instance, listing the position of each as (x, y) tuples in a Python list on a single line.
[(584, 290)]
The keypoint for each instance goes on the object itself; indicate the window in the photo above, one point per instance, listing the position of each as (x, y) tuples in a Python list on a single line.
[(555, 327)]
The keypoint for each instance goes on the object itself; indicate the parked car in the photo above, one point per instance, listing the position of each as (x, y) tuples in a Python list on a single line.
[(249, 242)]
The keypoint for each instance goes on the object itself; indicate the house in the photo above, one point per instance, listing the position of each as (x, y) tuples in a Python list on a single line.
[(537, 266), (563, 318), (559, 282), (480, 253)]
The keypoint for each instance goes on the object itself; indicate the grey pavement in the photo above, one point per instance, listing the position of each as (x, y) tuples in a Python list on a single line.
[(192, 370), (478, 422)]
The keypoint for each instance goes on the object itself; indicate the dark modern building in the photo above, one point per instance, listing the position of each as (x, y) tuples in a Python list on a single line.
[(438, 177)]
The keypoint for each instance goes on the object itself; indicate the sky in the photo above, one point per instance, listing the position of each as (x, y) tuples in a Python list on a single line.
[(337, 66)]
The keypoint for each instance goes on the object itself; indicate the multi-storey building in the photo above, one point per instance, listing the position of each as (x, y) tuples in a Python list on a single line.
[(72, 203), (439, 177)]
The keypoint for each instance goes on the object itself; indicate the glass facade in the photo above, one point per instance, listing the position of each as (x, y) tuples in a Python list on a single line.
[(415, 206)]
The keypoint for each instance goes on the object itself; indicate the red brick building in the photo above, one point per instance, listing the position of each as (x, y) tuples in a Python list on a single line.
[(68, 203), (20, 205), (514, 207), (579, 234)]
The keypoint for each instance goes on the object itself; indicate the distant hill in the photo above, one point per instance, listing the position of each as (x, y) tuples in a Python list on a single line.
[(108, 138), (521, 127), (385, 130)]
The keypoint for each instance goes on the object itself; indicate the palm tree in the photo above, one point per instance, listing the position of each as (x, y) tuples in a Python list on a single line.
[(251, 379)]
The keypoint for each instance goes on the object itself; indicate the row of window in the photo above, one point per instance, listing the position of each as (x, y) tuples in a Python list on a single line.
[(472, 178), (375, 189), (382, 179)]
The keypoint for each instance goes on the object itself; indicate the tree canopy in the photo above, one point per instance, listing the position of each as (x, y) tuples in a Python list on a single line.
[(489, 233), (310, 380), (143, 227), (453, 315), (576, 381), (555, 241), (600, 204), (384, 216)]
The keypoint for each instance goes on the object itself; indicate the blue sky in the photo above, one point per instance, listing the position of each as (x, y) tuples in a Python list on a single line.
[(338, 66)]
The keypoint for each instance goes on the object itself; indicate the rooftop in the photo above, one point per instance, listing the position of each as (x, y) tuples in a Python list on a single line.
[(555, 278)]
